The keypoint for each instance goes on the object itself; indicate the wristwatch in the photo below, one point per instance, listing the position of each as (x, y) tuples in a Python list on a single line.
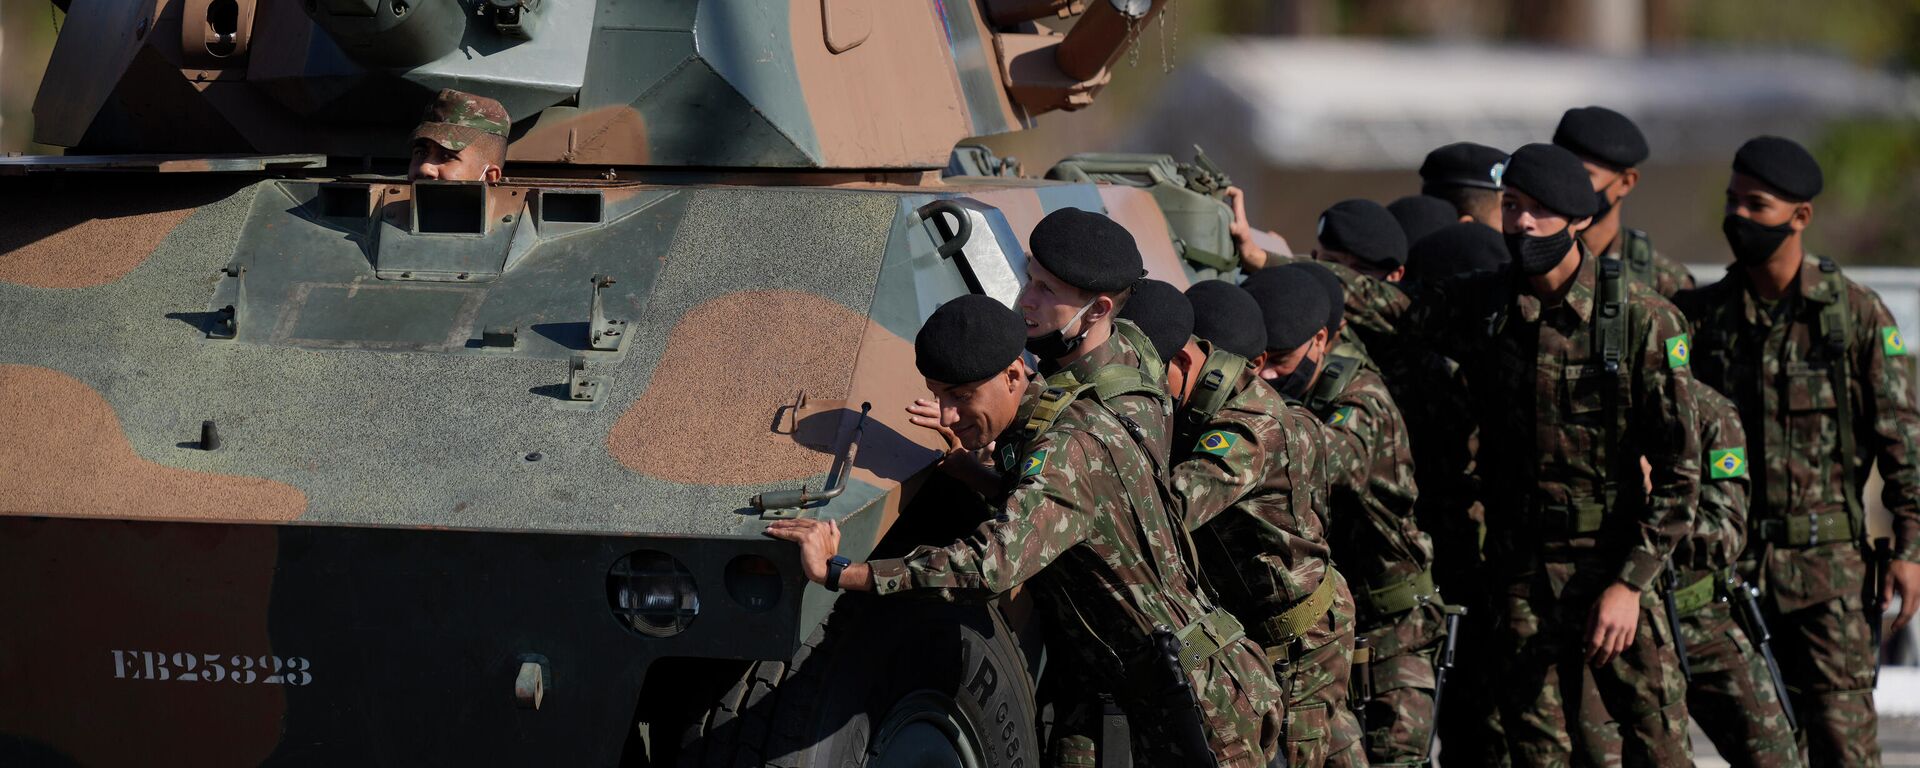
[(835, 565)]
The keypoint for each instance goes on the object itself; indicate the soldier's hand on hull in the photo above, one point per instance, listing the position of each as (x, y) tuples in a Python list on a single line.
[(1612, 624), (1903, 579), (1252, 257)]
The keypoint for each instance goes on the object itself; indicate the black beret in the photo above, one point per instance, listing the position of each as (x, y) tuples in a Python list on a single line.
[(1420, 215), (1087, 250), (1227, 315), (1782, 164), (969, 339), (1455, 250), (1602, 135), (1293, 305), (1463, 164), (1336, 293), (1553, 176), (1364, 230), (1163, 314)]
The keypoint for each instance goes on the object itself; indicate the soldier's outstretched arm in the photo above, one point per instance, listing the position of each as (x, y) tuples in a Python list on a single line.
[(1664, 426), (1887, 369), (1225, 465), (1720, 531), (1050, 510)]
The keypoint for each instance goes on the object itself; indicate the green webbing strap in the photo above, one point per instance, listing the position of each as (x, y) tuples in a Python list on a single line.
[(1392, 598), (1340, 370), (1154, 369), (1293, 623), (1206, 258), (1689, 599), (1610, 325), (1836, 328), (1047, 408), (1211, 389), (1807, 530), (1639, 255), (1205, 637)]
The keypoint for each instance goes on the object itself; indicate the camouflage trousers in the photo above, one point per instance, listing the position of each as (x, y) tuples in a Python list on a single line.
[(1544, 699), (1321, 730), (1730, 695), (1400, 716), (1470, 732), (1812, 598), (1241, 710)]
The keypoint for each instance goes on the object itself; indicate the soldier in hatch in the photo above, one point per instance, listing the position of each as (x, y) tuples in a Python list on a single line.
[(1250, 472), (1825, 385), (1611, 147), (462, 137), (1082, 523)]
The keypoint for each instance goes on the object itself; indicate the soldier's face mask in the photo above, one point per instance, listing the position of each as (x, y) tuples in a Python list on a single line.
[(1537, 255), (1055, 344), (1754, 243)]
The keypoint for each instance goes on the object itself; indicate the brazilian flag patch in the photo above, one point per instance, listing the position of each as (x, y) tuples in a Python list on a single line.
[(1891, 342), (1342, 416), (1678, 349), (1035, 463), (1216, 443), (1729, 462)]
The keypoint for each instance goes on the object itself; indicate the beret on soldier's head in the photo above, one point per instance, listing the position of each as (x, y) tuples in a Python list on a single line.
[(1364, 230), (1336, 293), (1457, 249), (1463, 164), (1601, 135), (1163, 314), (1087, 250), (457, 119), (1227, 315), (1293, 306), (1420, 215), (1554, 177), (969, 339), (1781, 164)]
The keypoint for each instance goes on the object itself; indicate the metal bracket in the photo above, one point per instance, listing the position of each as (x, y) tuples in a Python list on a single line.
[(531, 683), (582, 387), (603, 334), (226, 320)]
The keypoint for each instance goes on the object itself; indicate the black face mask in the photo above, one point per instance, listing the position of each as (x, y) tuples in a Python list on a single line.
[(1535, 256), (1054, 345), (1294, 385), (1753, 243), (1606, 206)]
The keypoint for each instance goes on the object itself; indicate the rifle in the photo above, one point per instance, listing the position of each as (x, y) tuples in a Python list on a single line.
[(1361, 689), (1440, 668), (1177, 700), (1670, 583), (1756, 626), (1879, 562)]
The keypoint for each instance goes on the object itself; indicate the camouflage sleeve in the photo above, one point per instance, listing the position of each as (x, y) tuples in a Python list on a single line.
[(1352, 440), (1224, 467), (1670, 277), (1721, 530), (1048, 512), (1664, 427), (1887, 371)]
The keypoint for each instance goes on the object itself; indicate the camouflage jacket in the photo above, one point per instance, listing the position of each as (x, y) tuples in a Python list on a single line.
[(1252, 485), (1151, 416), (1549, 457), (1370, 523), (1720, 525), (1648, 266), (1084, 525), (1431, 392), (1773, 362)]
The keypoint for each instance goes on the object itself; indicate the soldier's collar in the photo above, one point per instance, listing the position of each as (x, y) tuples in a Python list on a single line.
[(1580, 292)]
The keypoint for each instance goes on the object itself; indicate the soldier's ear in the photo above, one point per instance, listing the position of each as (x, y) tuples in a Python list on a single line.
[(1629, 179), (1802, 216), (491, 174)]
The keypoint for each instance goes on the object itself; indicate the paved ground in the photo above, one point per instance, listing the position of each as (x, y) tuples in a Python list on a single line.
[(1899, 744)]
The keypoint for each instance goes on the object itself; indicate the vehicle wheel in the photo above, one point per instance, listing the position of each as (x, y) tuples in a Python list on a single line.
[(884, 683)]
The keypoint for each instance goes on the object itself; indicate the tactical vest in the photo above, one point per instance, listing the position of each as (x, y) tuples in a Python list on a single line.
[(1834, 328)]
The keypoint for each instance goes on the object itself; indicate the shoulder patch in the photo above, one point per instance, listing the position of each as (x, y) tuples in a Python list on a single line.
[(1035, 463), (1678, 349), (1341, 416), (1891, 342), (1217, 442), (1728, 462)]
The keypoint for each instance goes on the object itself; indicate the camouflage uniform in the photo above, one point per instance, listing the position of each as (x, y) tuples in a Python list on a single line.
[(1647, 266), (1081, 497), (1380, 547), (1252, 479), (1773, 360), (1565, 515)]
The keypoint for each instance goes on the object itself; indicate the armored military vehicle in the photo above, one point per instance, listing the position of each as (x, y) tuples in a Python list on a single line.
[(303, 464)]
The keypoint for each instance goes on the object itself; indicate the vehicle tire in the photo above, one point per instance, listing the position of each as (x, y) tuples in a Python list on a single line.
[(884, 683)]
